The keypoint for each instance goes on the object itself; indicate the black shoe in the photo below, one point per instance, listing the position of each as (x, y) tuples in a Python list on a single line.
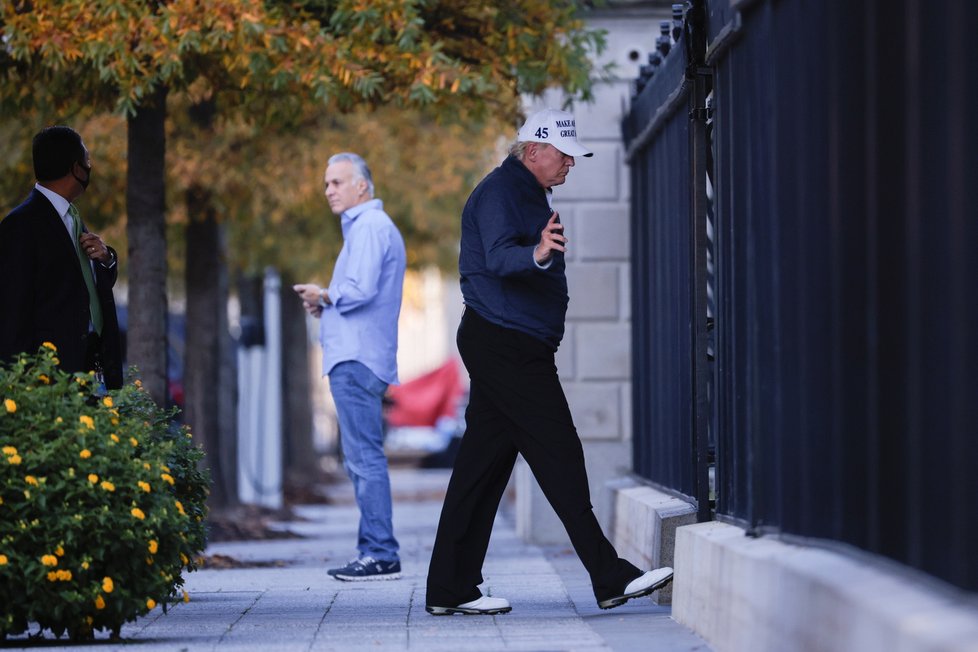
[(334, 571), (367, 568), (644, 584)]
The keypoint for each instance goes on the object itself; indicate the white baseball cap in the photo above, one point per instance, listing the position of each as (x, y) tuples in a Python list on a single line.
[(556, 128)]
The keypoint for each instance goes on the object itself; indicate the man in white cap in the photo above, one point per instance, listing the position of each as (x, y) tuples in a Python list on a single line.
[(515, 293)]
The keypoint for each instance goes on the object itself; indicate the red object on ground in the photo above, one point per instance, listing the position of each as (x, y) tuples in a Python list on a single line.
[(421, 401)]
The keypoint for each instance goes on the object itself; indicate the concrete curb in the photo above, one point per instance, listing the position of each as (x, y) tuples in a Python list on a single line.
[(644, 526), (761, 594)]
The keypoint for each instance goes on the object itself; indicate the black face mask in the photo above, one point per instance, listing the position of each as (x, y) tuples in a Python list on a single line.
[(88, 175)]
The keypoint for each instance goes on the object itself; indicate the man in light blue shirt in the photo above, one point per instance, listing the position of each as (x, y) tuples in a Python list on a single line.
[(358, 331)]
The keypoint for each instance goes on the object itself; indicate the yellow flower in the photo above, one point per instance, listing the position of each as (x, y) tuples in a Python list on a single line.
[(59, 551), (163, 467), (52, 576), (14, 459), (100, 603), (107, 584), (144, 486), (9, 450), (64, 575), (138, 513), (10, 405), (153, 546), (115, 421), (167, 477), (134, 441), (29, 479), (93, 478), (108, 486), (179, 507), (88, 421), (49, 345), (114, 437), (150, 603), (59, 420), (107, 401), (84, 565), (85, 454), (27, 494), (3, 560), (49, 560), (183, 559), (138, 383), (186, 597), (44, 379), (146, 466)]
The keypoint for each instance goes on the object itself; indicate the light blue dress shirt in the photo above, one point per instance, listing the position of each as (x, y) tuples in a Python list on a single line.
[(366, 288)]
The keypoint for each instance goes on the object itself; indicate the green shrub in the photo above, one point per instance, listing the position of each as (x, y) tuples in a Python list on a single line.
[(101, 501)]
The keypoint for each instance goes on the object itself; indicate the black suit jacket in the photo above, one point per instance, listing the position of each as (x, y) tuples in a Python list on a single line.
[(44, 294)]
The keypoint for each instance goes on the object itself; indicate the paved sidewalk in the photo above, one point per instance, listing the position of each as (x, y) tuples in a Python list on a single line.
[(293, 605)]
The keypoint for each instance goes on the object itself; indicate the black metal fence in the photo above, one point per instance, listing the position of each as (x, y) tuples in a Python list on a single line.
[(846, 208), (664, 277)]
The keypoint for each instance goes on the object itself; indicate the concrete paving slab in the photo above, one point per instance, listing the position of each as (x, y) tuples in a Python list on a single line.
[(295, 605)]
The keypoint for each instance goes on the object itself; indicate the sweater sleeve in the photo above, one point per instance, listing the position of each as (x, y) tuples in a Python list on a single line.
[(506, 252)]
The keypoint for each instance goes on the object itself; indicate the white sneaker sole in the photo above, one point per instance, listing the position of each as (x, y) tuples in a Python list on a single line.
[(448, 611), (611, 603), (368, 578)]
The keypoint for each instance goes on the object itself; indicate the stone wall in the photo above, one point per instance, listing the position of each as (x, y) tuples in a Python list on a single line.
[(594, 360)]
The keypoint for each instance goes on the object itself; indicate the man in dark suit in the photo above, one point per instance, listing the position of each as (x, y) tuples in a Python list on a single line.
[(57, 276)]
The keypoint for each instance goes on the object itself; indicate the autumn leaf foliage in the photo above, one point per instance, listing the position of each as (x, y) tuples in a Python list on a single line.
[(444, 55)]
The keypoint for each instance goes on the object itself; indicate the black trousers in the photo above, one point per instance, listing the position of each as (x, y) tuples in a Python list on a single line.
[(516, 405)]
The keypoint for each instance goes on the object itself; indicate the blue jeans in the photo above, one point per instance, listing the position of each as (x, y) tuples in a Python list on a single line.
[(357, 393)]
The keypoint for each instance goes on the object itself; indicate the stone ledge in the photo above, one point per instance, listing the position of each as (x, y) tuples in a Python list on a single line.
[(644, 523), (742, 593)]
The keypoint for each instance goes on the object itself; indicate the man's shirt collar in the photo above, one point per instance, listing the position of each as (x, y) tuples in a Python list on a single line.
[(354, 212), (60, 203)]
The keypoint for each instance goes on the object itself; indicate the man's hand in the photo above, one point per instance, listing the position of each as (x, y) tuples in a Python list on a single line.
[(551, 239), (94, 248), (310, 294), (315, 310)]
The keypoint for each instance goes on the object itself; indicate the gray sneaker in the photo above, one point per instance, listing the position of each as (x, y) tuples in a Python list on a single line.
[(366, 569)]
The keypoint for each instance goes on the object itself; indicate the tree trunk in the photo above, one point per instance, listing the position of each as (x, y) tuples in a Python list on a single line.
[(146, 231), (300, 455), (210, 377)]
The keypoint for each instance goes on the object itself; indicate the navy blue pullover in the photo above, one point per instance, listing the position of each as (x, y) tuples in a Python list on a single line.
[(501, 225)]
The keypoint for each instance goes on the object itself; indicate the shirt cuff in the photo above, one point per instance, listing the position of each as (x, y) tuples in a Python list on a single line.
[(539, 266), (334, 296)]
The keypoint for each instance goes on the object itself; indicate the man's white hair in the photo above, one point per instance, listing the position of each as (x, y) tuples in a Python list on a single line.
[(359, 165), (518, 149)]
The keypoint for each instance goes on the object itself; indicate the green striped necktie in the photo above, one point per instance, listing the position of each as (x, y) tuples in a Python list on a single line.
[(86, 269)]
